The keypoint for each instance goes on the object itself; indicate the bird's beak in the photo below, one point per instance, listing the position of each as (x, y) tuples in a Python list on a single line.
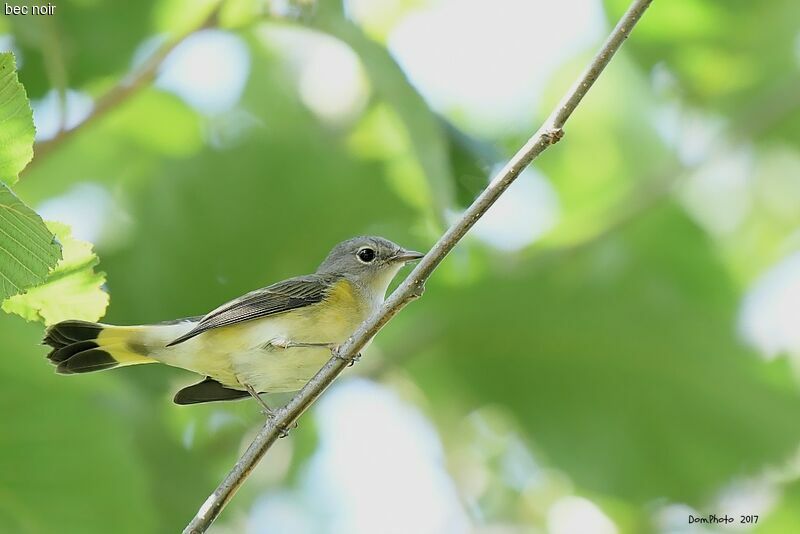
[(406, 256)]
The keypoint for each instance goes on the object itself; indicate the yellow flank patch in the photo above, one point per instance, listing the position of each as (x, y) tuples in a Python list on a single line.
[(342, 310), (342, 297)]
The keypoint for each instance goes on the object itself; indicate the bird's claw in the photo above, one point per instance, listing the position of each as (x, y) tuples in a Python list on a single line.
[(283, 430), (350, 361)]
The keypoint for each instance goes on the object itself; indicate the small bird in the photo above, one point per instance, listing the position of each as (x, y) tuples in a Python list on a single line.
[(271, 340)]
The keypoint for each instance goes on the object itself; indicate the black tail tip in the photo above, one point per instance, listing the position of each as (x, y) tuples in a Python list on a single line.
[(66, 333), (67, 351), (86, 361), (75, 349)]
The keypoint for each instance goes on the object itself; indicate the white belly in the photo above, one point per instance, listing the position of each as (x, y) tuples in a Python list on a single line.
[(279, 370), (272, 369)]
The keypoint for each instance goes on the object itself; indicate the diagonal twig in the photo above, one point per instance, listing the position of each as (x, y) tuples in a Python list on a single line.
[(413, 286), (125, 89)]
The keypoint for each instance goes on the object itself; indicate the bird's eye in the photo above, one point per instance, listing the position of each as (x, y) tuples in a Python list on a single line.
[(366, 254)]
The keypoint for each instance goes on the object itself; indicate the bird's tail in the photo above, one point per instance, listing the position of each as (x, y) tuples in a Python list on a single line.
[(84, 347)]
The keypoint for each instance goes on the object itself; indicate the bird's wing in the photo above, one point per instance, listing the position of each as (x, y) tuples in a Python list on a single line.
[(278, 298)]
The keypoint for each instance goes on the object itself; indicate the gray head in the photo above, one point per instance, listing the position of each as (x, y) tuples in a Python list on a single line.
[(373, 261)]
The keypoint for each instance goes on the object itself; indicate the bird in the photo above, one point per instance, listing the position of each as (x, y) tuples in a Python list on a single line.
[(271, 340)]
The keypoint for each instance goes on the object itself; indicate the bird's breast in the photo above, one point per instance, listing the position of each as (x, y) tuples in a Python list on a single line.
[(270, 368), (330, 321)]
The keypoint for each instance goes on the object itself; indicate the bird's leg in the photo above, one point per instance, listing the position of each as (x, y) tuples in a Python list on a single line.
[(282, 430), (253, 393)]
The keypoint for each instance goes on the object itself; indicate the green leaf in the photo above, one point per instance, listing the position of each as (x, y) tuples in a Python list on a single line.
[(27, 249), (73, 290), (16, 122)]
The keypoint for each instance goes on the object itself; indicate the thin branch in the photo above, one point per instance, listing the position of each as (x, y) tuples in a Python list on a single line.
[(413, 286), (125, 89), (55, 67)]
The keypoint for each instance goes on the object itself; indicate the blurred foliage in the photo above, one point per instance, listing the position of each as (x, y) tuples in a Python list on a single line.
[(609, 349), (65, 43), (69, 460), (747, 77), (667, 417), (721, 62)]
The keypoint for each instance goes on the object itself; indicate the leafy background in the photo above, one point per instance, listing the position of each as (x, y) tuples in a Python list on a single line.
[(613, 350)]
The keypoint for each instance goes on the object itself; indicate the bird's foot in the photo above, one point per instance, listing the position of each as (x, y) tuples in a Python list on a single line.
[(269, 413), (351, 361), (284, 430)]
